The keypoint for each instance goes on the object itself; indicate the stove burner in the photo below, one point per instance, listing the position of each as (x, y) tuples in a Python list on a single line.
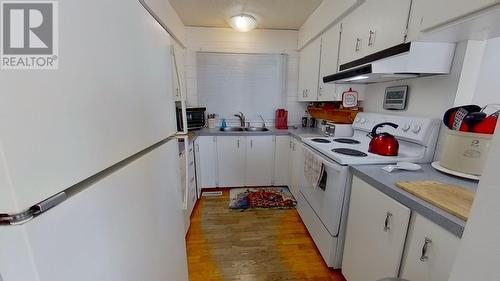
[(350, 152), (321, 140), (347, 141)]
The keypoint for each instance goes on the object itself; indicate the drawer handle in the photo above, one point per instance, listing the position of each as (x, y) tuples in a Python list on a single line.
[(387, 226), (424, 256)]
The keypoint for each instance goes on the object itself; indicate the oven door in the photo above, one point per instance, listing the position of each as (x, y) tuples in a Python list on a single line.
[(327, 198)]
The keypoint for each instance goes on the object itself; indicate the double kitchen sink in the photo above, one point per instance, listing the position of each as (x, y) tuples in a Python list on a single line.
[(240, 129)]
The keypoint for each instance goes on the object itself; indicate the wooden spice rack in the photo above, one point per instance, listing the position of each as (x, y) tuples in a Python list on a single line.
[(330, 113)]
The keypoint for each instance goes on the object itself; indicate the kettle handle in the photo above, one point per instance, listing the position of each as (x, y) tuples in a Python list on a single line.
[(374, 130)]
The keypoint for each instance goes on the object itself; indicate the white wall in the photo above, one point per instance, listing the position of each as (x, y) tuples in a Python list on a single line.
[(488, 82), (428, 96), (479, 254), (328, 13), (256, 41)]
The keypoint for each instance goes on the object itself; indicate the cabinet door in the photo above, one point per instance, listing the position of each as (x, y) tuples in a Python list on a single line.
[(375, 237), (387, 24), (260, 160), (231, 151), (206, 162), (309, 71), (427, 14), (179, 58), (281, 160), (430, 251), (296, 167), (329, 62), (374, 26)]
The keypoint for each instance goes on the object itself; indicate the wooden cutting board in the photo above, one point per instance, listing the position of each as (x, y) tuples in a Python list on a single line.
[(454, 199)]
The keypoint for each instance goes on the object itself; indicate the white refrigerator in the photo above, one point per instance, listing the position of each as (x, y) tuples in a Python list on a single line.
[(89, 173)]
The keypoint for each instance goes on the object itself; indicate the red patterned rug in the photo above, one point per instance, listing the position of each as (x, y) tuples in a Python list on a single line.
[(261, 197)]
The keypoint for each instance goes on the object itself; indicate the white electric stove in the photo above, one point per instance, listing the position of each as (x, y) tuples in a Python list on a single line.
[(417, 140), (324, 207)]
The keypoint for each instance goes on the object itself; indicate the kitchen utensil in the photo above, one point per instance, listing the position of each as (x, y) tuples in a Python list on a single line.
[(471, 120), (437, 165), (350, 98), (487, 125), (402, 166), (458, 119), (449, 115), (383, 144), (454, 199)]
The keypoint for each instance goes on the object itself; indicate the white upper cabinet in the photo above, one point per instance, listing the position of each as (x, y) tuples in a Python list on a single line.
[(231, 152), (430, 251), (374, 26), (375, 237), (426, 14), (206, 159), (282, 160), (329, 62), (309, 71), (179, 70), (260, 160)]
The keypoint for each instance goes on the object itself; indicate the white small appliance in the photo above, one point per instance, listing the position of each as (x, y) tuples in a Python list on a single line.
[(324, 207)]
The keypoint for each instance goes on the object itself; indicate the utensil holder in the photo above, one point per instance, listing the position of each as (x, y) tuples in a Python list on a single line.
[(212, 123), (466, 152)]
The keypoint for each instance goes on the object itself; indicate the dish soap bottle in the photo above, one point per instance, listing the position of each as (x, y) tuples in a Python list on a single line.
[(224, 124)]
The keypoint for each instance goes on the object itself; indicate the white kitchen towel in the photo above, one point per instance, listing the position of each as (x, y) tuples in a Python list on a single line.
[(313, 168)]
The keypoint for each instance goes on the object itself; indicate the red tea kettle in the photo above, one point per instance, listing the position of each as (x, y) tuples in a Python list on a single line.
[(383, 144)]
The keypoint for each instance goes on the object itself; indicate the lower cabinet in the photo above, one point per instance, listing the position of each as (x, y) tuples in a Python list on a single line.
[(385, 239), (231, 153), (206, 162), (296, 167), (375, 237), (259, 160), (430, 251), (282, 160)]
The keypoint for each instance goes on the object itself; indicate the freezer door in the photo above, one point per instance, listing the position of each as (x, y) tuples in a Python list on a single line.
[(110, 98), (126, 227)]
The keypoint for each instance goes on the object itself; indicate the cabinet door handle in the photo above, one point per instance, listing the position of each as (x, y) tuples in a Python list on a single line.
[(251, 143), (424, 256), (197, 148), (307, 92), (371, 38), (358, 43), (387, 226), (238, 143), (320, 91)]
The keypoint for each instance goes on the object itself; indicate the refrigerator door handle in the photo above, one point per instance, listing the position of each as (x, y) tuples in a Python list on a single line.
[(29, 214)]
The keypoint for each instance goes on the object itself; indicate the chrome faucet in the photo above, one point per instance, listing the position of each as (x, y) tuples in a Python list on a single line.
[(263, 122), (242, 118)]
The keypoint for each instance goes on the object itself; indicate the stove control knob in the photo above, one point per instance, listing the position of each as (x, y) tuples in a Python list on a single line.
[(356, 120), (405, 127), (416, 128), (362, 120)]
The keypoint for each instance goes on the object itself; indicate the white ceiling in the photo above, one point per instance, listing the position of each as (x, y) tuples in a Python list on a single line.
[(270, 14)]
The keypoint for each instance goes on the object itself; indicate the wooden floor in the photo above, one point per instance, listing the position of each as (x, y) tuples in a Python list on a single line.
[(226, 244)]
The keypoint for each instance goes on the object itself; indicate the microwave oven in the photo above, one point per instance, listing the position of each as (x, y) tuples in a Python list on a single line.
[(195, 118)]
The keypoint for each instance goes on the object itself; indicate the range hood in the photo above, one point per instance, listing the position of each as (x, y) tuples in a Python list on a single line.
[(409, 60)]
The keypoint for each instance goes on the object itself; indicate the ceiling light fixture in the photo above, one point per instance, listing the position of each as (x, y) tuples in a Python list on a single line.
[(243, 22)]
